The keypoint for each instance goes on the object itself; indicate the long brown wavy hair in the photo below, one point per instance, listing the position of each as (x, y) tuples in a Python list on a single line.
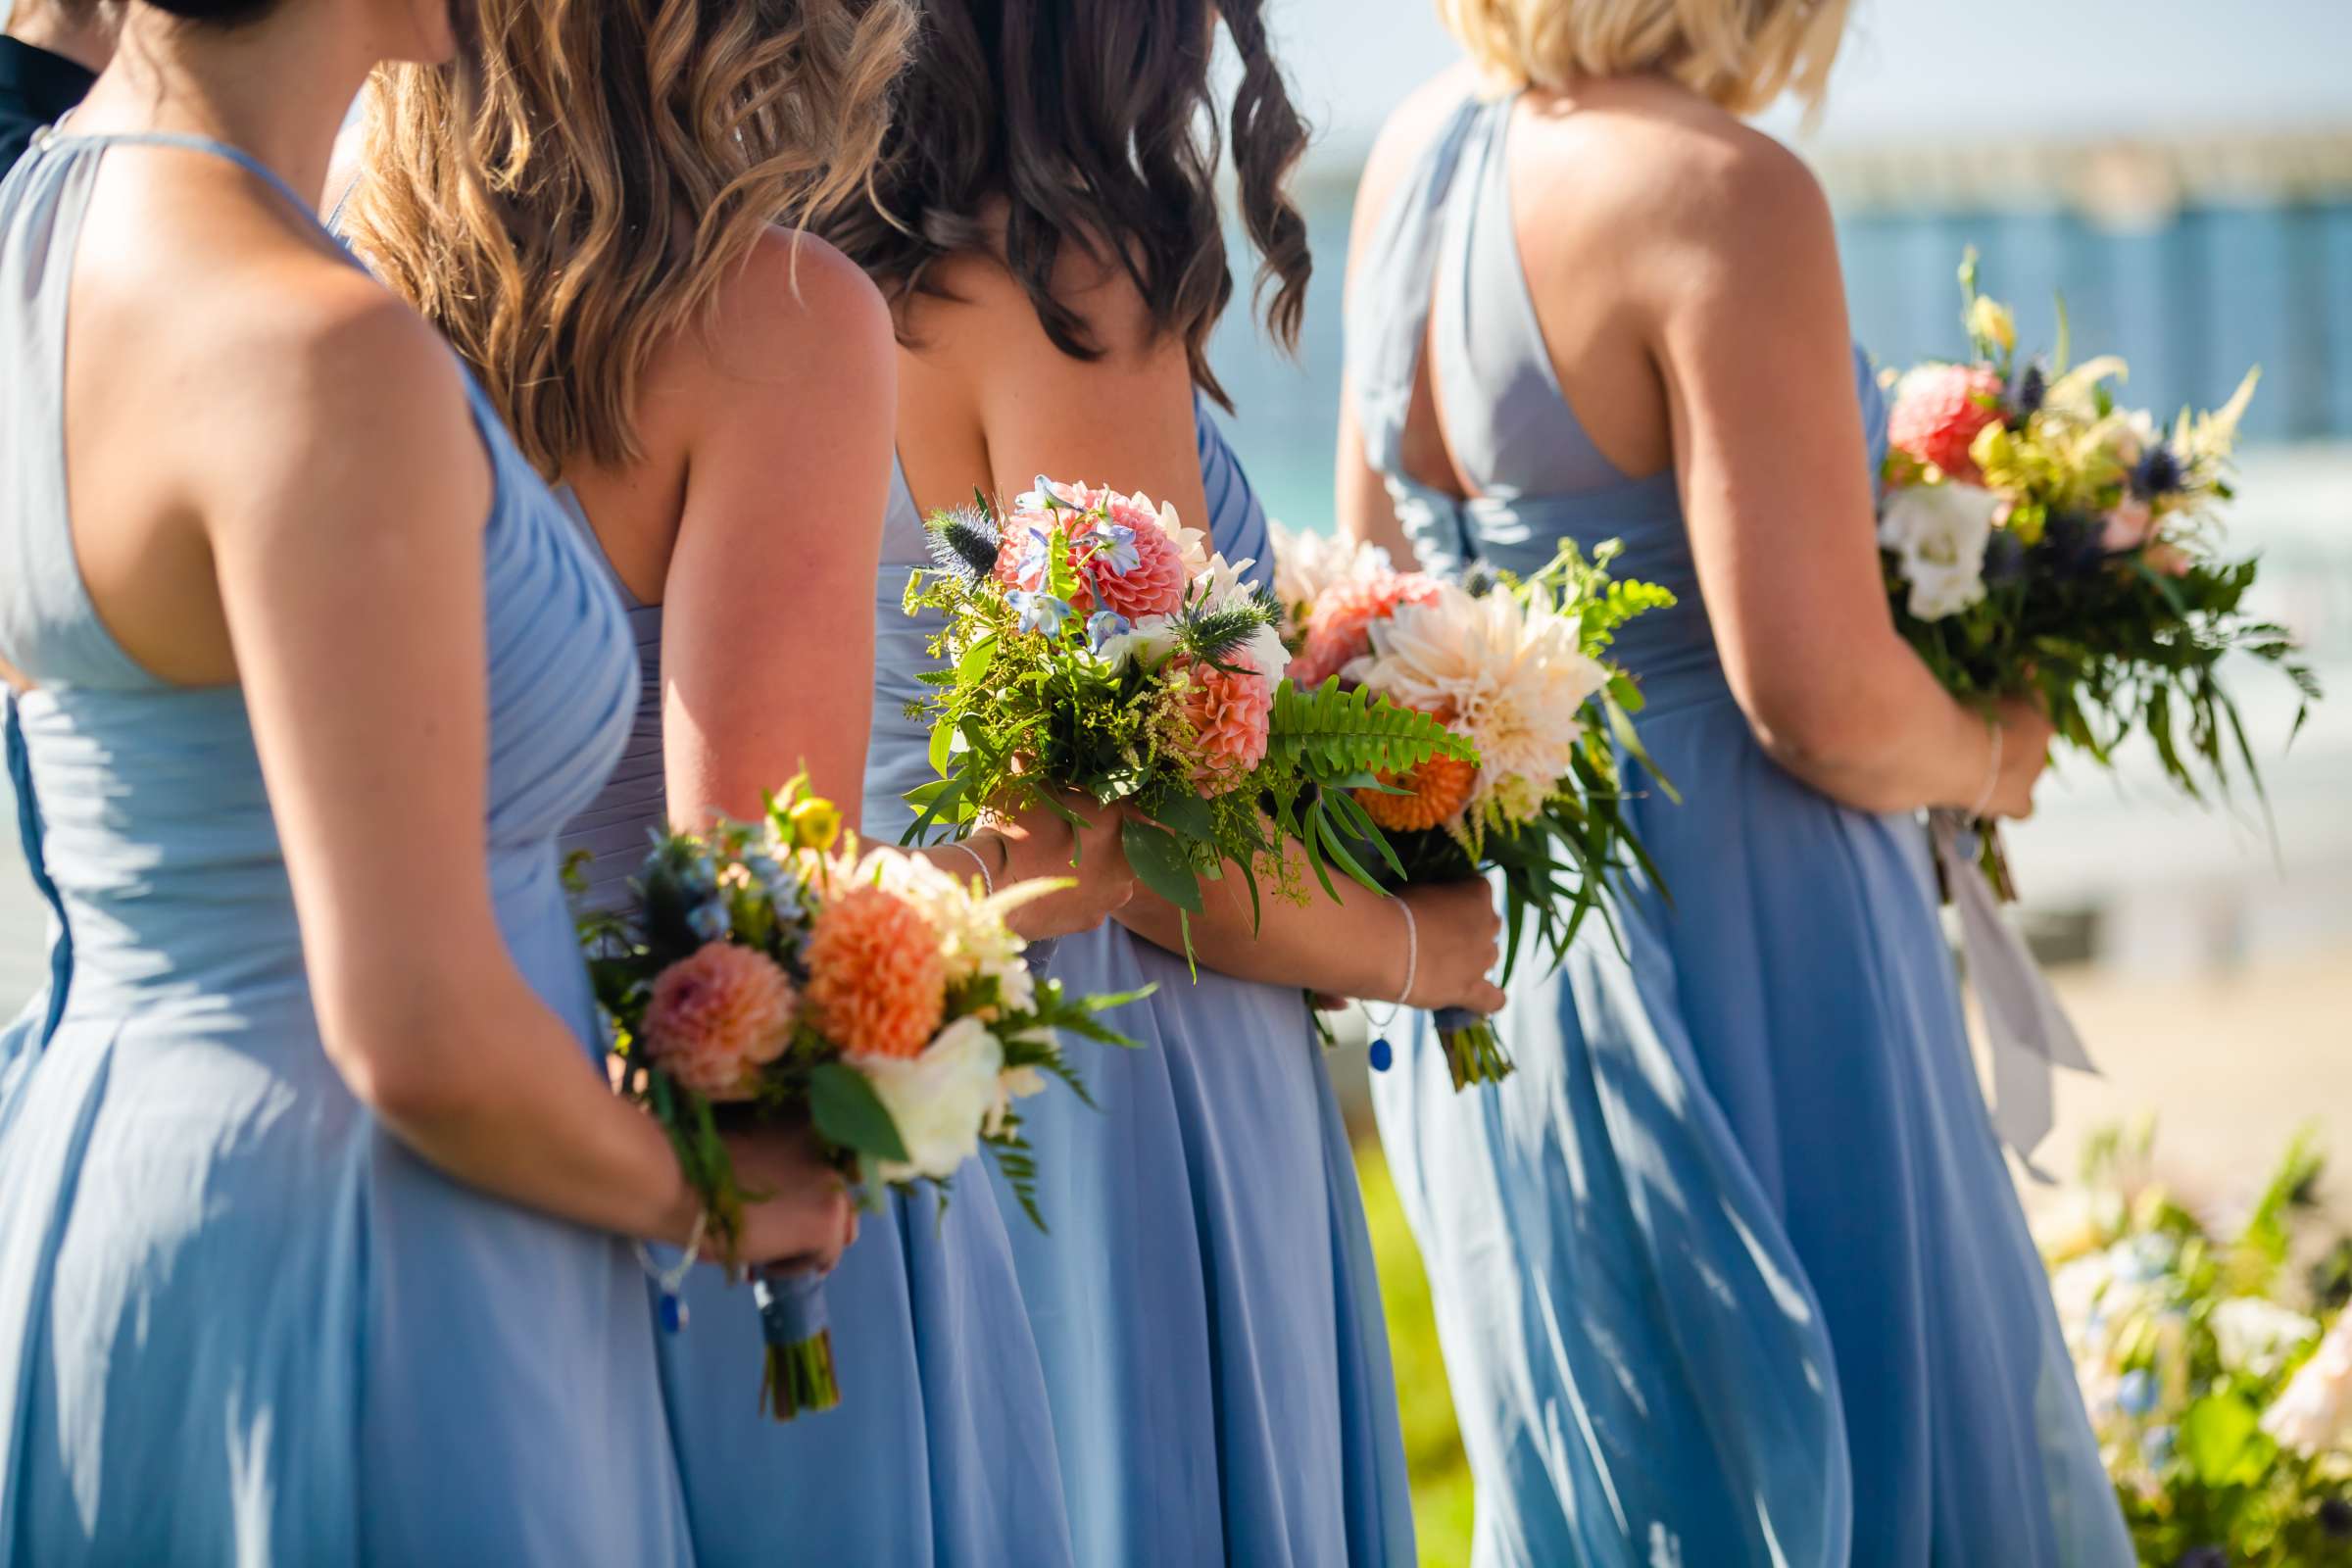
[(631, 153), (1094, 122)]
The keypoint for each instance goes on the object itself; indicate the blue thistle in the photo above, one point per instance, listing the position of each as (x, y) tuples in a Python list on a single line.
[(2004, 557), (2336, 1519), (2158, 472), (964, 542), (2027, 386), (2202, 1557)]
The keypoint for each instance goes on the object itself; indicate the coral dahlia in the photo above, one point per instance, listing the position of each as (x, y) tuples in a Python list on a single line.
[(717, 1016), (877, 984)]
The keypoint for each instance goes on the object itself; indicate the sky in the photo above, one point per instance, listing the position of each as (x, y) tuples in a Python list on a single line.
[(1918, 71)]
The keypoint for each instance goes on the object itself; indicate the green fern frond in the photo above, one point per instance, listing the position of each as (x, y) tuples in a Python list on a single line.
[(1335, 734)]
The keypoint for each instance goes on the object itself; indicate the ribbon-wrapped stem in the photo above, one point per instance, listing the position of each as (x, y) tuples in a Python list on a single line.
[(1472, 1052), (799, 1375), (2027, 1030)]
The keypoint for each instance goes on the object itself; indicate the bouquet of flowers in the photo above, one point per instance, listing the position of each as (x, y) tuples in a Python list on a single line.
[(772, 972), (2040, 539), (2220, 1394), (1090, 641), (1518, 670)]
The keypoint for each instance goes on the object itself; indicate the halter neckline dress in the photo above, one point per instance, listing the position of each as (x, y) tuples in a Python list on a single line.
[(239, 1320), (1730, 1271)]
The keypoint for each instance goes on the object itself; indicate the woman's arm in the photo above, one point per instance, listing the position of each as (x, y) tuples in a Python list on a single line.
[(347, 540), (767, 631), (1749, 334)]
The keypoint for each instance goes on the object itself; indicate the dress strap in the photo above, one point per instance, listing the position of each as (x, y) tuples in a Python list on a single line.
[(196, 144), (1388, 318)]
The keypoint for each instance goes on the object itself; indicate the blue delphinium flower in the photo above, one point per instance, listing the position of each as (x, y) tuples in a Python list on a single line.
[(2135, 1393), (708, 920), (1105, 625), (2158, 472), (1034, 554), (1038, 611), (1113, 545), (2157, 1445)]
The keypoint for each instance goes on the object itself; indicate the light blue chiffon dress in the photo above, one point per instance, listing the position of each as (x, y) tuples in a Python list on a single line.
[(239, 1320), (1206, 1303), (940, 1454), (1730, 1271)]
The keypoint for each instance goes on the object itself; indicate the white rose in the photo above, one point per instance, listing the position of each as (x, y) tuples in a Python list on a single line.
[(939, 1100), (2254, 1336), (1938, 533)]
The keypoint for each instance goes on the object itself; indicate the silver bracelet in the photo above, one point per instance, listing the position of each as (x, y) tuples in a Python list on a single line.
[(1412, 953), (1993, 776), (987, 881), (1412, 967), (672, 1281)]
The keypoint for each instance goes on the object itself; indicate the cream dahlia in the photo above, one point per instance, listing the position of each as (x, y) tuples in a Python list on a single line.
[(1514, 676)]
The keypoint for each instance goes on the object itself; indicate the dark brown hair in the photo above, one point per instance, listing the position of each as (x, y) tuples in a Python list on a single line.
[(1086, 119)]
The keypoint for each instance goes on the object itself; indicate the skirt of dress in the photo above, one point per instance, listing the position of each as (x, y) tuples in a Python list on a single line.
[(1730, 1271), (1203, 1300)]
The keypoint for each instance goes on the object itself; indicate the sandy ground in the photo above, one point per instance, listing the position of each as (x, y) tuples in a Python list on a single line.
[(2230, 1064)]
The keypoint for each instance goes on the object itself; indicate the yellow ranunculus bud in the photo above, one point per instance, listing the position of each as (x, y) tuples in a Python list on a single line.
[(816, 822), (1990, 319), (1993, 449)]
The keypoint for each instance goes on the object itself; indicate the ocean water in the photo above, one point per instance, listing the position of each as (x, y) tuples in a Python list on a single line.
[(2190, 303)]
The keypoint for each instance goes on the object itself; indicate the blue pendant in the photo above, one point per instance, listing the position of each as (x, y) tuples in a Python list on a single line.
[(1381, 1056), (673, 1313)]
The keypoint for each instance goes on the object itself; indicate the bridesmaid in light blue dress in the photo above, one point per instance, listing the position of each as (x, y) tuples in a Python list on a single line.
[(733, 484), (1203, 1303), (244, 1317), (1730, 1271)]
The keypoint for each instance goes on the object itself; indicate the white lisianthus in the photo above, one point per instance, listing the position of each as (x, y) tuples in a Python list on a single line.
[(1514, 676), (2315, 1412), (941, 1099), (1192, 545), (2253, 1335), (1938, 533)]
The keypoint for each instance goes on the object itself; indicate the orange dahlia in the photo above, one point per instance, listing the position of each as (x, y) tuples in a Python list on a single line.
[(877, 985), (717, 1016), (1435, 791), (1339, 625)]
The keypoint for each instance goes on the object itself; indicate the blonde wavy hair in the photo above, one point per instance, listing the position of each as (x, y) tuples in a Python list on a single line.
[(1743, 54), (615, 162)]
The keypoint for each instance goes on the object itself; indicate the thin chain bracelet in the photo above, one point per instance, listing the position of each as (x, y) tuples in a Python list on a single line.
[(1993, 776), (1382, 1054), (672, 1281), (987, 880)]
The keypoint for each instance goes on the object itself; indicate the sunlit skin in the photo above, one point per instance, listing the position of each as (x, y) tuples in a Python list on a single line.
[(305, 521), (985, 398), (1685, 276)]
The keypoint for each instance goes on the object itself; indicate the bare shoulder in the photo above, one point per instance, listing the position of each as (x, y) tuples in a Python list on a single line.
[(322, 384), (1642, 160), (797, 294), (1405, 135)]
